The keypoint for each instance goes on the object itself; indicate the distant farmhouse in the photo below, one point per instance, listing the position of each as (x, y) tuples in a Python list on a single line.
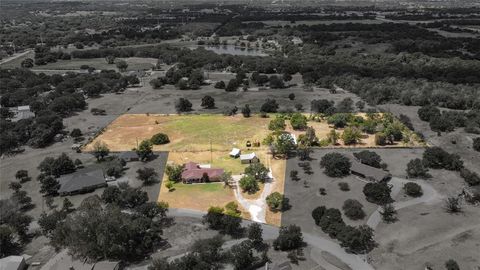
[(13, 263), (194, 173), (81, 182), (20, 113), (249, 158), (368, 172)]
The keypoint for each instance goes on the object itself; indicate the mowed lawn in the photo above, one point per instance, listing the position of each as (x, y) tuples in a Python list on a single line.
[(190, 133), (134, 63)]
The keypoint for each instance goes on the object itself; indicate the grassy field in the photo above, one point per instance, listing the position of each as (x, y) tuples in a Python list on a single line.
[(134, 63), (187, 133)]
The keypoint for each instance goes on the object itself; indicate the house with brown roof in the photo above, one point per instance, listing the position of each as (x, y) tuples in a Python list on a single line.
[(194, 173)]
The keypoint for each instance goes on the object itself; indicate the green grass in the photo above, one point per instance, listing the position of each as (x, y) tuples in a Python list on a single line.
[(99, 63), (205, 187)]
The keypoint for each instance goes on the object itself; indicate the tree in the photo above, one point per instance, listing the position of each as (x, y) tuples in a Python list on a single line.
[(249, 184), (231, 209), (291, 96), (388, 213), (353, 209), (110, 59), (22, 199), (333, 137), (174, 172), (147, 175), (275, 82), (160, 138), (360, 105), (27, 63), (437, 158), (276, 201), (144, 150), (242, 256), (156, 83), (298, 121), (471, 178), (336, 164), (277, 124), (318, 213), (287, 77), (220, 85), (226, 178), (137, 235), (254, 233), (67, 205), (258, 171), (100, 150), (5, 113), (451, 265), (357, 239), (339, 120), (232, 85), (416, 169), (269, 106), (246, 112), (413, 189), (284, 144), (208, 102), (378, 193), (183, 105), (7, 241), (345, 106), (288, 238), (15, 186), (343, 186), (76, 133), (49, 186), (322, 106), (369, 158), (428, 112), (122, 65), (476, 144), (351, 135), (453, 205)]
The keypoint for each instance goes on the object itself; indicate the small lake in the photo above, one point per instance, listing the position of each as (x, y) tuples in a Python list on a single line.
[(231, 49)]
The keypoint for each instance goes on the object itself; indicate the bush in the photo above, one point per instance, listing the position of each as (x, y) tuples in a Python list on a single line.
[(437, 158), (249, 184), (183, 105), (336, 164), (269, 106), (428, 112), (220, 85), (476, 144), (318, 213), (471, 178), (369, 158), (344, 186), (160, 138), (452, 265), (76, 133), (278, 123), (339, 120), (353, 209), (416, 169), (298, 121), (378, 193), (208, 102), (288, 238), (276, 201), (413, 189)]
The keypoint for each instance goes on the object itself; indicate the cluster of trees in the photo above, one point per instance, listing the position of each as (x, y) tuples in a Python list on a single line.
[(447, 121), (98, 232), (14, 224), (254, 173), (50, 98), (353, 239), (336, 164)]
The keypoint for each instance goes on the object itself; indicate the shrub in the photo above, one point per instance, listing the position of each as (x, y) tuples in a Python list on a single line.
[(344, 186), (415, 168), (220, 85), (160, 138), (76, 133), (437, 158), (278, 123), (378, 193), (183, 105), (369, 158), (249, 184), (298, 121), (452, 265), (288, 238), (275, 201), (471, 178), (413, 189), (339, 120), (353, 209), (335, 164), (427, 112), (318, 213), (476, 144), (269, 106)]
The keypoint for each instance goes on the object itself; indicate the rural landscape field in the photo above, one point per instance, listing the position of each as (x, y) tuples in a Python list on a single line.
[(294, 134)]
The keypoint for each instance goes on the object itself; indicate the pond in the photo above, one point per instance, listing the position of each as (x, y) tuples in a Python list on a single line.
[(231, 49)]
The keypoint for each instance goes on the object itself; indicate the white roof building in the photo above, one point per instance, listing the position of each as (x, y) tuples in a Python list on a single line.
[(235, 152), (12, 263)]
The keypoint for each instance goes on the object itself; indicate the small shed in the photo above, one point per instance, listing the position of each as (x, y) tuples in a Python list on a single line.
[(235, 153), (129, 156), (249, 158)]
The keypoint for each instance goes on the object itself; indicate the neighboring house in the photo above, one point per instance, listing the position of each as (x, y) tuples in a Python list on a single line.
[(21, 112), (235, 153), (368, 172), (471, 193), (129, 156), (249, 158), (13, 263), (81, 182), (193, 173)]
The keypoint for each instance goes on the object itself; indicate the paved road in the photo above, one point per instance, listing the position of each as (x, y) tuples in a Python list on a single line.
[(430, 195), (13, 57)]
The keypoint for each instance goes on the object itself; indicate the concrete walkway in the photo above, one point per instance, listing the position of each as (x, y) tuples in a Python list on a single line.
[(257, 208), (13, 57)]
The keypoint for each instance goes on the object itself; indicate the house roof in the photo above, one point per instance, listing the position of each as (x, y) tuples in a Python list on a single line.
[(24, 108), (80, 180), (193, 170), (11, 262), (235, 151), (369, 171), (248, 156)]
